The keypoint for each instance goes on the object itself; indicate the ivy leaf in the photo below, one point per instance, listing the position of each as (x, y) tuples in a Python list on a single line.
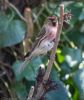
[(12, 31), (30, 70), (81, 17), (60, 93), (20, 90), (78, 39), (79, 81), (72, 56)]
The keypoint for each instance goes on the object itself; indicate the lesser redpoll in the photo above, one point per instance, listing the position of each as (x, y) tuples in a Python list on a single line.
[(45, 41)]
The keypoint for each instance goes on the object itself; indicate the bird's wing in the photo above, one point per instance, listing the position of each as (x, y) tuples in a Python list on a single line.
[(39, 37), (42, 35)]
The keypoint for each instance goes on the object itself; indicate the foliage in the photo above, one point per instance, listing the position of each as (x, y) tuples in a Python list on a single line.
[(68, 68), (12, 31)]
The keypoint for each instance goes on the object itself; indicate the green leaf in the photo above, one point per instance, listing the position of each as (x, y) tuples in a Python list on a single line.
[(78, 39), (79, 81), (12, 31), (81, 17), (60, 93), (20, 90), (60, 58), (15, 67), (72, 56), (30, 70), (65, 68)]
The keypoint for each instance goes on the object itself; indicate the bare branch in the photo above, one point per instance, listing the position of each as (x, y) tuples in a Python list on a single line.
[(29, 34), (31, 93), (28, 17)]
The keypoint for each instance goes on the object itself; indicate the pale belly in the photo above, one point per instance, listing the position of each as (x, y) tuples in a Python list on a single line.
[(43, 48)]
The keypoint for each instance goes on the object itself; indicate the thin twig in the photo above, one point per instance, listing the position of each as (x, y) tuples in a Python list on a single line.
[(2, 64), (39, 13), (31, 93), (16, 10), (2, 74), (69, 41), (5, 64), (40, 89)]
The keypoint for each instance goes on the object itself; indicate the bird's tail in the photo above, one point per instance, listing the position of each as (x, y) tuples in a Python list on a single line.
[(24, 64)]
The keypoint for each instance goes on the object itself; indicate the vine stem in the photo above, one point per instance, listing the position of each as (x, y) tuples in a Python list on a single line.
[(40, 90), (15, 9)]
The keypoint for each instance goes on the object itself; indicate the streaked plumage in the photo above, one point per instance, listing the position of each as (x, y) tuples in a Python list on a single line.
[(45, 41)]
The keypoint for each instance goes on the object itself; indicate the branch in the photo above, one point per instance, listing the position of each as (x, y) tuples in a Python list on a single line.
[(40, 90), (16, 10), (31, 93), (28, 17), (5, 64), (52, 57), (3, 5)]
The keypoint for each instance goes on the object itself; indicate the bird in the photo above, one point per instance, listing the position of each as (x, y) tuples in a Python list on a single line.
[(44, 41)]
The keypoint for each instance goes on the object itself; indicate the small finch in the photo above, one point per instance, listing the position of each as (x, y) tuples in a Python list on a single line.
[(45, 41)]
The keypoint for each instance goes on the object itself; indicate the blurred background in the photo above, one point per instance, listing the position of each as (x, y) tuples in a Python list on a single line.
[(17, 38)]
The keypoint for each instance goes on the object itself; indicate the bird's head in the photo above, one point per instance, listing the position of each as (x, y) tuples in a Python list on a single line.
[(52, 20)]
